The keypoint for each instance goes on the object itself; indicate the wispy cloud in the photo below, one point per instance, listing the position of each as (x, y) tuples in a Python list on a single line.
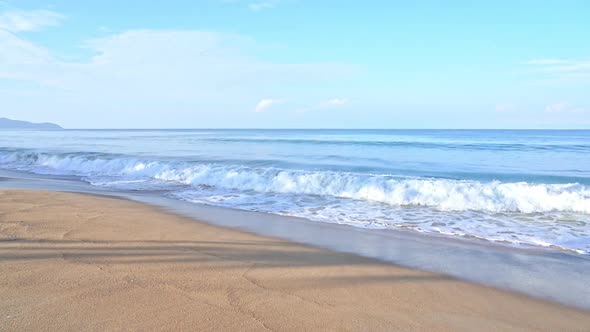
[(31, 20), (264, 104), (542, 62), (330, 103), (557, 107), (564, 108), (335, 102), (178, 75), (570, 67)]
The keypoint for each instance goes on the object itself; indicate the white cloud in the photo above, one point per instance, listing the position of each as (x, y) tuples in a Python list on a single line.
[(264, 104), (557, 107), (330, 103), (561, 67), (564, 108), (152, 78), (541, 62), (32, 20), (334, 102), (172, 60)]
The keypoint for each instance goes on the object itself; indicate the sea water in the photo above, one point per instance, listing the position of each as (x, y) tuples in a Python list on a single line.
[(513, 187)]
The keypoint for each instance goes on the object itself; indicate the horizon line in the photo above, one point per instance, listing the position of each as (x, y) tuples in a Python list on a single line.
[(222, 128)]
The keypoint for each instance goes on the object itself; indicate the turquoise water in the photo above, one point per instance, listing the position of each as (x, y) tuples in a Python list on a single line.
[(506, 186)]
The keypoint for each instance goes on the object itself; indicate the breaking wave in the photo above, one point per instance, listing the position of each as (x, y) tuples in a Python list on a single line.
[(442, 194)]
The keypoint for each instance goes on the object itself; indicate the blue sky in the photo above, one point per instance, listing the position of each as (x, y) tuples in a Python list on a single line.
[(296, 64)]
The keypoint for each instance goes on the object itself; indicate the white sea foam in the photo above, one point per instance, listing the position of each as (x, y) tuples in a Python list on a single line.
[(442, 194)]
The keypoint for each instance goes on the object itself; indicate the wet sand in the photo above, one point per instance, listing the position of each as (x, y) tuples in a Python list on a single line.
[(82, 262)]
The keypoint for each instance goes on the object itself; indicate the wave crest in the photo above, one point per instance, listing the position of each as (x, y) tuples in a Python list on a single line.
[(443, 194)]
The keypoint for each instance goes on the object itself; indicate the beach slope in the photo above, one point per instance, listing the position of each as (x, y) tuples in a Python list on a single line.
[(72, 262)]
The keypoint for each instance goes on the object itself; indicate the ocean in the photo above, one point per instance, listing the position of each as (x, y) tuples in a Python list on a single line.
[(523, 188)]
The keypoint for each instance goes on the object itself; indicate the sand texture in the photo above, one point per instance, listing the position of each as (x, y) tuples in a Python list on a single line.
[(73, 262)]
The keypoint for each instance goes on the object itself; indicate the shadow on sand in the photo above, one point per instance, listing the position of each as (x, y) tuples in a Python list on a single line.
[(214, 254)]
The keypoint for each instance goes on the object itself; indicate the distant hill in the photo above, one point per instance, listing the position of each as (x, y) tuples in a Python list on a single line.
[(17, 124)]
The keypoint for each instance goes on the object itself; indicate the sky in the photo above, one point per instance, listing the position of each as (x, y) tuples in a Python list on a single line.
[(296, 63)]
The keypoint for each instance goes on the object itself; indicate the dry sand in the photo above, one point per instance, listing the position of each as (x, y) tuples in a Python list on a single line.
[(71, 262)]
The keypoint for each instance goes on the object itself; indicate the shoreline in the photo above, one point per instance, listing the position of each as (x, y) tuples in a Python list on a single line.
[(15, 179), (540, 273), (75, 261)]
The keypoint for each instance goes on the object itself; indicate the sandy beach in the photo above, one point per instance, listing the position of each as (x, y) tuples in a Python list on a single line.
[(71, 262)]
